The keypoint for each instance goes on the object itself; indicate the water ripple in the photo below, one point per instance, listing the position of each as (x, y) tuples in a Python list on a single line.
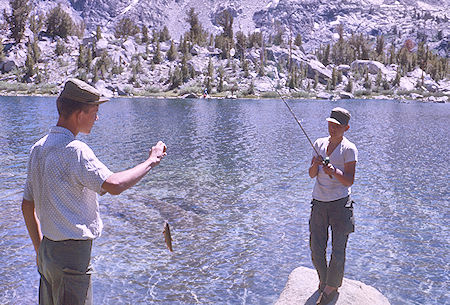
[(236, 192)]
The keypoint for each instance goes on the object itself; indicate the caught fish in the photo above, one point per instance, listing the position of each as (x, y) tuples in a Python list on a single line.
[(168, 237)]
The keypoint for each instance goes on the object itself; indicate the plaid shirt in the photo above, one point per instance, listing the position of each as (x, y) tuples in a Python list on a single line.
[(63, 179)]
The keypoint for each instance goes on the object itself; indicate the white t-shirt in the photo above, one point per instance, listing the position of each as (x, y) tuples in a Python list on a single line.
[(63, 179), (325, 188)]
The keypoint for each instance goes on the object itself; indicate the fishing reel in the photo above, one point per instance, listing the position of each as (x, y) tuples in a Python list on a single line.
[(325, 162)]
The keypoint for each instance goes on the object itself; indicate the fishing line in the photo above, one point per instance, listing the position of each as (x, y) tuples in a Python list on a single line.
[(325, 160)]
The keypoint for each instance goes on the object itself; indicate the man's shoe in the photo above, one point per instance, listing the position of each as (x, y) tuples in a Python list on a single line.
[(324, 298)]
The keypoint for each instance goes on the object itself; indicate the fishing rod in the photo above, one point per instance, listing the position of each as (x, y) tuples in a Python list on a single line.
[(326, 160)]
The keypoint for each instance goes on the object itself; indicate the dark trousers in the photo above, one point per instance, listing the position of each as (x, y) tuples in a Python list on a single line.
[(338, 215), (65, 272)]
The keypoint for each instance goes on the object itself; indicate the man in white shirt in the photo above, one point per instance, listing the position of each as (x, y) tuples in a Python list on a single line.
[(60, 205), (331, 204)]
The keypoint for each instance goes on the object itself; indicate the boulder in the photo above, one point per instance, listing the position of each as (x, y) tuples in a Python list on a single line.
[(197, 50), (372, 66), (346, 95), (129, 46), (88, 40), (104, 89), (302, 284), (214, 51), (199, 63), (324, 96), (315, 66), (407, 83), (101, 45), (190, 95), (431, 85), (8, 66), (344, 69), (263, 84), (416, 96)]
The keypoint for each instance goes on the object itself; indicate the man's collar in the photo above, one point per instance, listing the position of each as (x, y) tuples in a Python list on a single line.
[(62, 130)]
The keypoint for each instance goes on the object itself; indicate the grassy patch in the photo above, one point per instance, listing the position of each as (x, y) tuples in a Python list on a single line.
[(270, 94), (301, 94)]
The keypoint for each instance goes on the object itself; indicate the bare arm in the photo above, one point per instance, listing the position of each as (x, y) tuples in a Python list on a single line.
[(314, 168), (32, 223), (121, 181), (346, 177)]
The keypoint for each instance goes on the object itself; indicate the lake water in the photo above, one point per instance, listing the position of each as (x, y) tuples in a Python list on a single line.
[(236, 191)]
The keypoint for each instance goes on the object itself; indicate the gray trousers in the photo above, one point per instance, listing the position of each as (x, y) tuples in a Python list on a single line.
[(65, 272), (338, 215)]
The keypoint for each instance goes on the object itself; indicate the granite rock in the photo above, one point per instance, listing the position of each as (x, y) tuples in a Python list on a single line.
[(302, 284)]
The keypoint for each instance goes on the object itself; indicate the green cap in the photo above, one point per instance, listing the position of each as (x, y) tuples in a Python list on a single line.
[(81, 92)]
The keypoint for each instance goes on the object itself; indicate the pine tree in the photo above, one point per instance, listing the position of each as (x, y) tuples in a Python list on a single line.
[(95, 75), (251, 89), (155, 36), (210, 69), (164, 35), (298, 40), (398, 76), (36, 24), (29, 63), (386, 85), (226, 21), (145, 38), (172, 53), (379, 79), (196, 32), (241, 44), (367, 82), (333, 78), (176, 78), (88, 59), (2, 53), (326, 55), (278, 38), (126, 27), (261, 68), (244, 64), (392, 57), (20, 9), (157, 55), (59, 23), (221, 73), (292, 81), (81, 61), (349, 87), (98, 33), (184, 70), (380, 45)]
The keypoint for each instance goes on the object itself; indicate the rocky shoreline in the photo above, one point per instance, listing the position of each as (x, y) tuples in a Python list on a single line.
[(20, 89), (126, 67)]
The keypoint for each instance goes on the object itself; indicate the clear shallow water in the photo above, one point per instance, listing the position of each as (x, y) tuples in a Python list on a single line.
[(236, 192)]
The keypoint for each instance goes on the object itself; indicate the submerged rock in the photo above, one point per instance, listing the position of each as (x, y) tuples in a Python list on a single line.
[(302, 284)]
